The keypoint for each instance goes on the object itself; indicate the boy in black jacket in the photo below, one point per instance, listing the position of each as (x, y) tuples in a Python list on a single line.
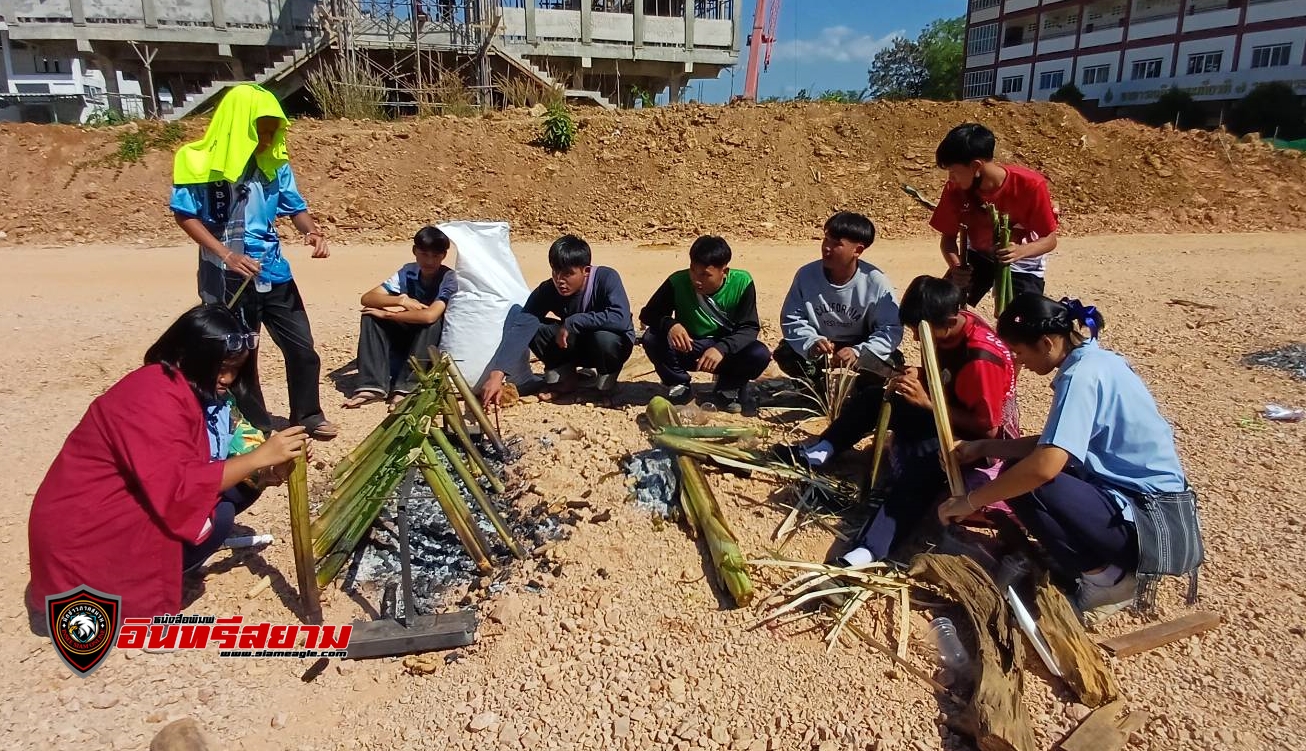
[(592, 327)]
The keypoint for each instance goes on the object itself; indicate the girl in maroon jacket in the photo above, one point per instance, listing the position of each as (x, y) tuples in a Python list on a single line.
[(135, 484)]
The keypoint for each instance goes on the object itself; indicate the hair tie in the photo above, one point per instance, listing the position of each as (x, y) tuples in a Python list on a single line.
[(1086, 315)]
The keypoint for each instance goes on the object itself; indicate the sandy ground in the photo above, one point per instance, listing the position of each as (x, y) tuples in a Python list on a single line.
[(641, 654)]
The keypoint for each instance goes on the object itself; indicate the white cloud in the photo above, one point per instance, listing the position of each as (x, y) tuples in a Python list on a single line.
[(838, 44)]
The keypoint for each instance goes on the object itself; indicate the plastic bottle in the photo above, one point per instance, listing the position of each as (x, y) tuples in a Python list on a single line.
[(952, 653), (262, 286)]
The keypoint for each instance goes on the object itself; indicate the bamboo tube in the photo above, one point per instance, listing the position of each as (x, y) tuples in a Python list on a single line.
[(881, 438), (473, 487), (301, 540), (418, 402), (472, 402), (454, 495), (455, 420), (333, 522), (942, 423), (334, 552), (704, 513), (456, 520)]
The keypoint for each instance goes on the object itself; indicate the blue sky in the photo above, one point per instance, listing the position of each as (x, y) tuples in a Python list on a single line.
[(827, 44)]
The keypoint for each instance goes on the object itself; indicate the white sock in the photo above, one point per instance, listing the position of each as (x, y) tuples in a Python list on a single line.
[(1106, 577), (819, 454)]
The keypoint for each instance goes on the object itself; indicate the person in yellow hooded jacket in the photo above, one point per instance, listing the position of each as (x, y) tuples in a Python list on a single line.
[(229, 189)]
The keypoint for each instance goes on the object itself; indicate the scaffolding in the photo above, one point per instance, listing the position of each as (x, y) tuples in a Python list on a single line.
[(413, 45)]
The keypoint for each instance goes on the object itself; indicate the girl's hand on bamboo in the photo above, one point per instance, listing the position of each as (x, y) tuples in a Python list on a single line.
[(955, 509), (283, 446), (241, 264), (908, 386), (968, 452)]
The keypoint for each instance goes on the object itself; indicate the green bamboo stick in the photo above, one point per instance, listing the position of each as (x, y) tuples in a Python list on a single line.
[(418, 402), (301, 540), (455, 420), (473, 487), (472, 402), (881, 439), (459, 524), (332, 560), (333, 524)]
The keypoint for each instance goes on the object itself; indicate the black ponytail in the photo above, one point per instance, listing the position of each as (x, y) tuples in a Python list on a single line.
[(1031, 316)]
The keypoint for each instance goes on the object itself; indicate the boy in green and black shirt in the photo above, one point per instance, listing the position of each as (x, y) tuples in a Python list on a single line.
[(705, 318)]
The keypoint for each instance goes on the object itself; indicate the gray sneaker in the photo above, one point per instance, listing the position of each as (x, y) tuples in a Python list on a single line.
[(1097, 602), (679, 394), (605, 382)]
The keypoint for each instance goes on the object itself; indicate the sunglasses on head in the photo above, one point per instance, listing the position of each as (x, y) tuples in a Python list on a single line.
[(237, 343)]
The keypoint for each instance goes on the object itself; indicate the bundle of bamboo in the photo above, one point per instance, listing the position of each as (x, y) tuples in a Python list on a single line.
[(1002, 280), (701, 508), (366, 479)]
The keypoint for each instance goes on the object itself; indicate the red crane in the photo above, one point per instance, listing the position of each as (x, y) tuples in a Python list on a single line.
[(763, 35)]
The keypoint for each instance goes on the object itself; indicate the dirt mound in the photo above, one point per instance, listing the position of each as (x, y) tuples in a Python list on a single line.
[(765, 171)]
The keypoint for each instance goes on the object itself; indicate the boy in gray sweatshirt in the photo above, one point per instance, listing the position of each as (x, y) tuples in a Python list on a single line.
[(840, 310)]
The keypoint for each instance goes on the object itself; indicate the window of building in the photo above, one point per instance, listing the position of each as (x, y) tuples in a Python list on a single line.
[(1205, 62), (1013, 35), (983, 4), (977, 84), (1052, 79), (1095, 74), (1013, 84), (1271, 55), (49, 65), (983, 39), (1145, 69)]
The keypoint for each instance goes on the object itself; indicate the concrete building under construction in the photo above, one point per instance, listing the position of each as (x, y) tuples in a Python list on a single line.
[(61, 60)]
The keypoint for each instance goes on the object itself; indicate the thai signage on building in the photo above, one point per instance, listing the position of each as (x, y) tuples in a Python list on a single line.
[(1207, 86)]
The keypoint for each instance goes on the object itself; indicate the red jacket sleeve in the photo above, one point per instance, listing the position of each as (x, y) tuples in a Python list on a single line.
[(981, 389), (947, 215), (156, 433)]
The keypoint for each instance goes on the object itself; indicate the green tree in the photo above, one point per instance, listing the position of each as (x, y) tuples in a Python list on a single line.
[(927, 68), (942, 46), (898, 71), (1174, 106), (1068, 94), (1267, 109)]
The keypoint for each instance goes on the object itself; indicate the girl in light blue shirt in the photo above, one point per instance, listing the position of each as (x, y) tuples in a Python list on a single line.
[(1102, 488)]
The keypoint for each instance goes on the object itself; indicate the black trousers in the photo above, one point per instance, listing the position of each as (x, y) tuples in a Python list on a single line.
[(232, 501), (605, 351), (281, 310), (673, 367), (984, 271), (383, 351)]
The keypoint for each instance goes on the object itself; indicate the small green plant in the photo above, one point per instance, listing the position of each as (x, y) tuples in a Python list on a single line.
[(106, 117), (643, 96), (170, 134), (132, 146), (559, 128)]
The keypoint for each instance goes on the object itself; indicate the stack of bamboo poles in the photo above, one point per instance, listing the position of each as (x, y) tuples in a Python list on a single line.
[(1002, 292), (366, 479)]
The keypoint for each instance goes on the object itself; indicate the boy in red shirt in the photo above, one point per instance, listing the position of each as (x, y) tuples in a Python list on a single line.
[(979, 383), (975, 182)]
